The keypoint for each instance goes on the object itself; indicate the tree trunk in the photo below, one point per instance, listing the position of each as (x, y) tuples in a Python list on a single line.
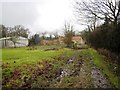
[(14, 45)]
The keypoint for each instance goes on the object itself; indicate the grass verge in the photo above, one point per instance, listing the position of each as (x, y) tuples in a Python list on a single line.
[(103, 66)]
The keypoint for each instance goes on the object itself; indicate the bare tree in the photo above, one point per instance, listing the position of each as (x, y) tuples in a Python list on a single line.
[(92, 11), (50, 35), (68, 33), (43, 35), (20, 30), (17, 30), (55, 34)]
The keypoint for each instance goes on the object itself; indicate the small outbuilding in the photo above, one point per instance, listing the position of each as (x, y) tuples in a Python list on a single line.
[(7, 42)]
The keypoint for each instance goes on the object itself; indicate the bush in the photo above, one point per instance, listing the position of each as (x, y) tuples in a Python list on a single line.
[(105, 36), (112, 57)]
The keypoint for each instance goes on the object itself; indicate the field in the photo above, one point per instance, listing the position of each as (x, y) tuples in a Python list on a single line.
[(59, 67)]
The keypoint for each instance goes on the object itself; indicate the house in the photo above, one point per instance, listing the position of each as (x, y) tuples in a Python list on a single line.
[(50, 42), (60, 40), (77, 40), (7, 42)]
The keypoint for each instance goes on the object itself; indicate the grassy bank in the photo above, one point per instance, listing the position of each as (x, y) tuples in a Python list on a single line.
[(103, 66)]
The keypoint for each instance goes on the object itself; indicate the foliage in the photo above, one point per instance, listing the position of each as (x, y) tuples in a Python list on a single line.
[(97, 10), (34, 40), (104, 36), (2, 31), (107, 34), (17, 30), (20, 30)]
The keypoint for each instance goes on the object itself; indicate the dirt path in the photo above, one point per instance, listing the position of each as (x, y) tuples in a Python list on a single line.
[(99, 80)]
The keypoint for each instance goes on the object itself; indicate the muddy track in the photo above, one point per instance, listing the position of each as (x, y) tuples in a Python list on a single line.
[(87, 78), (64, 71), (98, 79)]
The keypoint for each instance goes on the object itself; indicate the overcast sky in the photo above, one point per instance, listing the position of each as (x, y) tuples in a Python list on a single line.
[(38, 15)]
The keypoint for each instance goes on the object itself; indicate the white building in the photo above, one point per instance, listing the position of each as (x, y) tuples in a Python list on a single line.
[(7, 42)]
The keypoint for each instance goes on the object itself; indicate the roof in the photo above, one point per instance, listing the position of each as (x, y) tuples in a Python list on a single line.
[(61, 38), (76, 37), (21, 37), (5, 38)]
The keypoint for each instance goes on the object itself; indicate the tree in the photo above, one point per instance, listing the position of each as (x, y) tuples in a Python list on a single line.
[(50, 36), (10, 32), (34, 40), (56, 34), (85, 35), (14, 40), (31, 41), (20, 30), (17, 30), (93, 11), (43, 35), (107, 34), (3, 31), (37, 39), (68, 33)]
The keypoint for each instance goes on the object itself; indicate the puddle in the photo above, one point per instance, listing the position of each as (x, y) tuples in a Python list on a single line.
[(65, 72), (70, 60)]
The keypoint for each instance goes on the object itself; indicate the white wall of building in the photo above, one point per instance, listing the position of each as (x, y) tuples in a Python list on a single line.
[(21, 41)]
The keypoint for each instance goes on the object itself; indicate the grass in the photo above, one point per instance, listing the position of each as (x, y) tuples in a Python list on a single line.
[(13, 58), (26, 62), (23, 53), (70, 82), (67, 81), (16, 57), (22, 58), (103, 66)]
